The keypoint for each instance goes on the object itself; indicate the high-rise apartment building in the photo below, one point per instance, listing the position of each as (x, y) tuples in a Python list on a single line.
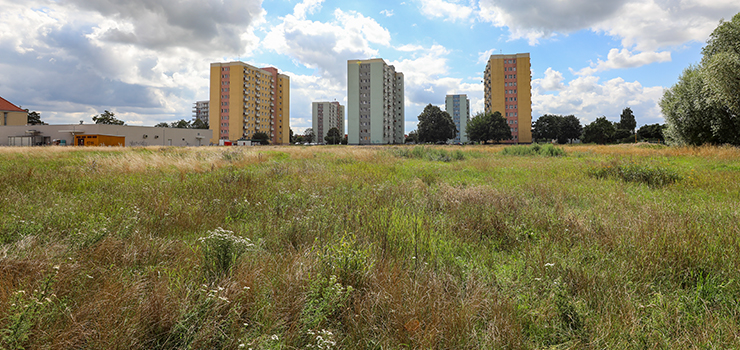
[(200, 111), (245, 100), (375, 103), (458, 107), (507, 87), (326, 115)]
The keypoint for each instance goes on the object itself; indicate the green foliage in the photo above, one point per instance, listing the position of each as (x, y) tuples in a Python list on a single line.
[(600, 131), (428, 153), (26, 309), (199, 124), (325, 300), (435, 125), (563, 128), (107, 118), (180, 124), (162, 125), (333, 136), (34, 118), (486, 127), (703, 106), (651, 132), (261, 137), (627, 120), (547, 150), (651, 175), (413, 137), (309, 135), (221, 249)]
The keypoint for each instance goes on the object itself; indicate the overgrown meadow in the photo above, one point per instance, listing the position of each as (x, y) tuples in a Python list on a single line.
[(475, 247)]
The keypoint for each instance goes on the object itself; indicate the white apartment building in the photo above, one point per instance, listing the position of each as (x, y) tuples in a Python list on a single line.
[(200, 111), (324, 116), (458, 107), (375, 103)]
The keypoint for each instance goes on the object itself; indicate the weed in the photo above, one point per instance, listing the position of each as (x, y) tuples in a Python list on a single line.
[(221, 248), (653, 176), (547, 150)]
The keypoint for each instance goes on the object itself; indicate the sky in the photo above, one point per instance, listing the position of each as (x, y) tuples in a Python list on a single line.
[(148, 61)]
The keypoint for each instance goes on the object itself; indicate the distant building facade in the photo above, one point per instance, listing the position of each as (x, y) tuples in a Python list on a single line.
[(245, 100), (200, 111), (508, 90), (102, 135), (11, 114), (324, 116), (458, 107), (375, 103)]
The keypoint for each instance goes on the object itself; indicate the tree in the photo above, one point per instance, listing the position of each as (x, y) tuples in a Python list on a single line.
[(199, 124), (333, 136), (692, 118), (627, 120), (547, 127), (34, 118), (162, 125), (570, 129), (704, 106), (412, 137), (651, 132), (291, 136), (600, 131), (488, 127), (181, 124), (107, 118), (308, 135), (261, 137), (435, 125), (345, 139), (721, 64)]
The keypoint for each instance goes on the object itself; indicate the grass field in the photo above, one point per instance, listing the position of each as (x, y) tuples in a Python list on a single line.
[(620, 247)]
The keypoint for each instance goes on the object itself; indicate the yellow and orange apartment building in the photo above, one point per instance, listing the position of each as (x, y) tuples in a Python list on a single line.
[(507, 88), (245, 100)]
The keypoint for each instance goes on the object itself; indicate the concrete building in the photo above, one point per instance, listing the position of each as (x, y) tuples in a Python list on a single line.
[(245, 100), (200, 111), (102, 135), (324, 116), (508, 90), (375, 103), (11, 114), (458, 107)]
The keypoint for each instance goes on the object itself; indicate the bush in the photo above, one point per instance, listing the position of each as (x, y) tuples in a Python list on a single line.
[(221, 248), (428, 153), (547, 150), (653, 176)]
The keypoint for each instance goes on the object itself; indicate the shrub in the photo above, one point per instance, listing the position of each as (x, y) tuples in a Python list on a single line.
[(653, 176), (221, 248), (428, 153), (547, 150)]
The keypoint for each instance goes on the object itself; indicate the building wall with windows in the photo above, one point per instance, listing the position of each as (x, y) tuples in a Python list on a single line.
[(375, 103), (11, 114), (200, 111), (102, 135), (507, 89), (458, 107), (324, 116), (245, 100)]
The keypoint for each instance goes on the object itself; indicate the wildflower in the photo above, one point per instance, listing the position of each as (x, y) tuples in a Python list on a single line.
[(549, 264)]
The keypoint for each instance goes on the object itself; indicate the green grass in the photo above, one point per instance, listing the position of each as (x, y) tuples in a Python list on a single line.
[(472, 247)]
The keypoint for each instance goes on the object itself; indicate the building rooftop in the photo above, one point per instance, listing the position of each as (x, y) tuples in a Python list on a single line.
[(9, 107)]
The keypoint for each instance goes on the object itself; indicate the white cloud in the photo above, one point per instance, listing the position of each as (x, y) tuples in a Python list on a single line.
[(645, 25), (553, 80), (306, 7), (326, 47), (450, 11), (387, 13), (485, 55), (410, 48), (617, 59), (587, 98)]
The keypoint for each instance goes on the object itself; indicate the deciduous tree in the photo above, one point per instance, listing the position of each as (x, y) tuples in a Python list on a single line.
[(488, 127), (600, 131), (107, 118), (34, 118), (333, 136), (435, 125)]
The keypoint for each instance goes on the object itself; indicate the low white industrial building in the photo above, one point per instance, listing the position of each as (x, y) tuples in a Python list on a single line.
[(102, 135)]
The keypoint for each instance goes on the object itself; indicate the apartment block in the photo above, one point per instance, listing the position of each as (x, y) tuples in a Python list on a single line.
[(508, 90), (245, 100), (458, 107), (324, 116), (200, 111), (375, 103)]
